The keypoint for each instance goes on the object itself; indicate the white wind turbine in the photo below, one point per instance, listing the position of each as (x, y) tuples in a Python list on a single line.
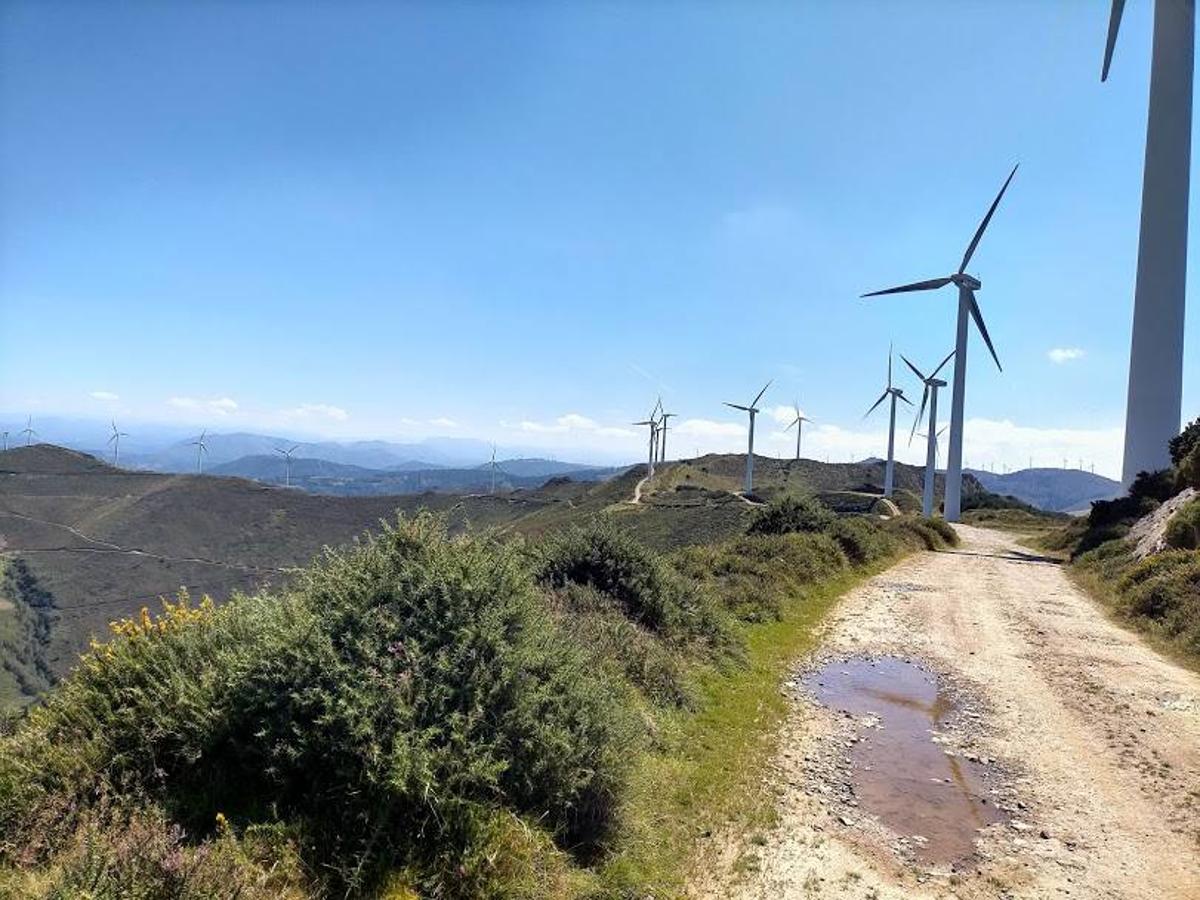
[(889, 470), (937, 443), (287, 463), (115, 440), (967, 307), (493, 469), (5, 434), (201, 449), (799, 423), (932, 383), (662, 443), (653, 423), (28, 431), (1154, 400), (752, 411)]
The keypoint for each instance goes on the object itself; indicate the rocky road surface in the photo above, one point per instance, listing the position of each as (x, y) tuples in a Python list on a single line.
[(1090, 743)]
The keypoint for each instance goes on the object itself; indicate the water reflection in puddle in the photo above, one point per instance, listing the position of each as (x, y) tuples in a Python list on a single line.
[(900, 773)]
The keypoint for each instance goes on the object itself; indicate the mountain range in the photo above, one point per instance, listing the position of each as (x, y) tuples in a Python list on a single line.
[(1054, 490)]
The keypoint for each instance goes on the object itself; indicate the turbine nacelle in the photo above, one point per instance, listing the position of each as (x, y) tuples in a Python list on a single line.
[(970, 282)]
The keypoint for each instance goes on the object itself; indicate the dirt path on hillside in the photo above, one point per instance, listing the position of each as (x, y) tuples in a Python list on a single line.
[(1086, 739)]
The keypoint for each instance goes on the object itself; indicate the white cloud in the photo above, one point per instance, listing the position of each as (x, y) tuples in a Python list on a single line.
[(221, 406), (443, 422), (317, 410), (571, 423), (784, 415), (708, 428), (1060, 355), (105, 396)]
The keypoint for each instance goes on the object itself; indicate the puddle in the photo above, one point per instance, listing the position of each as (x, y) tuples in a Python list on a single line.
[(900, 773)]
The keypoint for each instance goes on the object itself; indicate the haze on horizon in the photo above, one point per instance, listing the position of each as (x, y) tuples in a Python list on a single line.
[(522, 224)]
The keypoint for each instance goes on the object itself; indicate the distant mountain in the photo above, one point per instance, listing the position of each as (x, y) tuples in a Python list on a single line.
[(320, 476), (1056, 490)]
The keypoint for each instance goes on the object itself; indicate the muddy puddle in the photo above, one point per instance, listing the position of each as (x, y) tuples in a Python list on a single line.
[(900, 773)]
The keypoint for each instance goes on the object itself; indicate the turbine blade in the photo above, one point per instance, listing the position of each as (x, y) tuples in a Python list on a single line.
[(1114, 25), (738, 406), (900, 396), (916, 371), (920, 414), (942, 363), (984, 224), (754, 402), (882, 397), (978, 317), (932, 285)]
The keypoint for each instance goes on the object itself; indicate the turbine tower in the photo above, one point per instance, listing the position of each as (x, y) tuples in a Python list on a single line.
[(967, 306), (5, 435), (115, 440), (28, 431), (752, 411), (662, 445), (287, 463), (932, 383), (1154, 399), (493, 469), (889, 470), (201, 449), (653, 423), (799, 423)]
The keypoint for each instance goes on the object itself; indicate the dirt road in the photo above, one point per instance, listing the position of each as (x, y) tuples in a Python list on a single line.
[(1087, 740)]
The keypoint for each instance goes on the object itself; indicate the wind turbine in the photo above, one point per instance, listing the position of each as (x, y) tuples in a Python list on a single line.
[(201, 449), (937, 442), (932, 383), (1154, 400), (653, 439), (5, 435), (799, 423), (493, 469), (28, 431), (752, 411), (287, 463), (662, 446), (895, 393), (115, 440), (967, 306)]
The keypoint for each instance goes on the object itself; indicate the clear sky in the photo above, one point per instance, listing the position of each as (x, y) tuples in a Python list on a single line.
[(522, 221)]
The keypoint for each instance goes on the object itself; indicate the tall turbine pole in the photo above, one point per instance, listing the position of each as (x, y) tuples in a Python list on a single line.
[(750, 455), (889, 472), (931, 449), (958, 396), (1154, 401)]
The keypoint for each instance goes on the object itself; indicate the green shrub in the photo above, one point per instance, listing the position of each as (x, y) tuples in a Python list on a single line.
[(944, 529), (1189, 469), (791, 514), (1185, 442), (652, 595), (389, 706), (1183, 529), (1098, 537), (1160, 485), (1126, 510), (755, 575), (861, 539)]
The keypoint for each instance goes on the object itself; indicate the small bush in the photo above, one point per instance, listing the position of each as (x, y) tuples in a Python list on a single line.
[(1185, 442), (1095, 538), (791, 514), (861, 539), (652, 595), (1121, 510), (944, 529), (1161, 485), (1183, 529), (1189, 469)]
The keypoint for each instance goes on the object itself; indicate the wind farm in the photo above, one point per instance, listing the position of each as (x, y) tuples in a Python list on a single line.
[(385, 514)]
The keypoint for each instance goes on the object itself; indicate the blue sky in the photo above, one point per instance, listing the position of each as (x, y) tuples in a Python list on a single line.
[(521, 221)]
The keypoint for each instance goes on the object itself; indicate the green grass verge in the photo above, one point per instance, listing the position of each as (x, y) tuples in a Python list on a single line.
[(706, 776)]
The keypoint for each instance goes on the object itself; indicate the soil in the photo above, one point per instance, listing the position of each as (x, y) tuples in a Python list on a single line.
[(1084, 741)]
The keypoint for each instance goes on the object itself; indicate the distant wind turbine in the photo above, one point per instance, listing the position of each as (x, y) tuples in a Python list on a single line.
[(799, 423), (752, 411), (662, 443), (653, 423), (889, 469), (5, 434), (115, 440), (287, 463), (967, 307), (932, 383), (28, 431), (201, 449), (937, 443)]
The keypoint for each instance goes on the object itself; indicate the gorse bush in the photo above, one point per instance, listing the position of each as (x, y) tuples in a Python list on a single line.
[(1122, 510), (652, 595), (791, 514), (1183, 529), (1185, 442), (1159, 485), (403, 693)]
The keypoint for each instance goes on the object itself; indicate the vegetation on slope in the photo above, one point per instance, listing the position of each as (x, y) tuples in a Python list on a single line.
[(1160, 594), (447, 716)]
